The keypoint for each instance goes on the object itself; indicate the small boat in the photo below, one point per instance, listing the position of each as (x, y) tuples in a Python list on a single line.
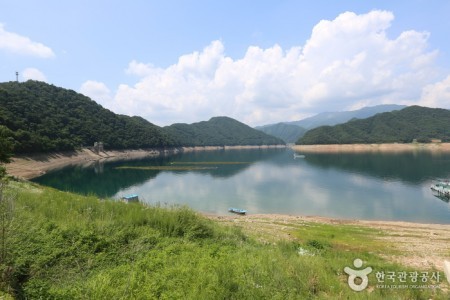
[(298, 156), (130, 198), (237, 211)]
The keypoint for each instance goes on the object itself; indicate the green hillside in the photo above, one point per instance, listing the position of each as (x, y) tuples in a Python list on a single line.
[(45, 118), (40, 117), (287, 132), (59, 245), (219, 131), (412, 123)]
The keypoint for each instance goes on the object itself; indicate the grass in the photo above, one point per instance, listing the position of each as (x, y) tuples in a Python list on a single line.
[(67, 246)]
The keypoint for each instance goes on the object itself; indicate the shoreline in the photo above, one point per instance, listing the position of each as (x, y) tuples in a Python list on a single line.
[(418, 245), (29, 166), (391, 147)]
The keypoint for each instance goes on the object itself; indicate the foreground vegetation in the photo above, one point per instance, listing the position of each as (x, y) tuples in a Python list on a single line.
[(58, 245)]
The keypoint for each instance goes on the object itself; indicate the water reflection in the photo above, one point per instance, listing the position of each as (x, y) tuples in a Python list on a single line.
[(412, 167), (355, 186)]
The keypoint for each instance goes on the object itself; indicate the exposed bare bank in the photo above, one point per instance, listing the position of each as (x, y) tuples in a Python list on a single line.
[(33, 165)]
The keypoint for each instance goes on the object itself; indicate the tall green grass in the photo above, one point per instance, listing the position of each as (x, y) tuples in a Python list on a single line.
[(67, 246)]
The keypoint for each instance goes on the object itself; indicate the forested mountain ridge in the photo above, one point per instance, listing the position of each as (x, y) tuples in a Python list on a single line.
[(45, 118), (39, 117), (403, 126), (219, 131), (290, 132)]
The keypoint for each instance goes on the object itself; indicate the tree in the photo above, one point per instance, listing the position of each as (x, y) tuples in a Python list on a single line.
[(6, 148), (6, 144)]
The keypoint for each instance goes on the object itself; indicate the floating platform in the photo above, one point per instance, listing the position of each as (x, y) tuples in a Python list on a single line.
[(441, 188)]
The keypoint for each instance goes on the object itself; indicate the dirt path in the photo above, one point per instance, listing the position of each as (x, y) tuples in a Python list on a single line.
[(421, 246)]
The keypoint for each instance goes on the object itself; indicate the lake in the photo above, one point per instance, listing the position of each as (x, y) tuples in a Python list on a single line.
[(371, 186)]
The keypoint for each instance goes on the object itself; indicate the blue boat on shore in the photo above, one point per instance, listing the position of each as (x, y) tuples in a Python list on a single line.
[(237, 211), (130, 198)]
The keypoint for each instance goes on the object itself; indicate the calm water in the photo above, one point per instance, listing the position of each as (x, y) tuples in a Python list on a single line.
[(353, 186)]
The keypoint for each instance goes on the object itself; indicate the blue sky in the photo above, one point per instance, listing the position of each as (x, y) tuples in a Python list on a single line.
[(257, 61)]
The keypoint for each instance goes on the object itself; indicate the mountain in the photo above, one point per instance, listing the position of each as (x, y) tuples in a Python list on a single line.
[(287, 132), (40, 117), (290, 132), (334, 118), (219, 131), (412, 123), (45, 118)]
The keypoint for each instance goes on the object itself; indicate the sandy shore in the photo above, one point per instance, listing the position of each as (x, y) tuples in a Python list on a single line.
[(423, 246), (433, 147), (33, 165)]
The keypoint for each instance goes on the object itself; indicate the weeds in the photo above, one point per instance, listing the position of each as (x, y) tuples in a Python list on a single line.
[(68, 246)]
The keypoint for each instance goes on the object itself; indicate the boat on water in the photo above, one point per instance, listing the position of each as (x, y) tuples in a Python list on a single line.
[(442, 188), (298, 156), (237, 211)]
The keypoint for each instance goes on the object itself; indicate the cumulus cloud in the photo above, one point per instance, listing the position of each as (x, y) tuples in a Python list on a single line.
[(97, 91), (346, 63), (16, 43), (437, 94), (33, 74)]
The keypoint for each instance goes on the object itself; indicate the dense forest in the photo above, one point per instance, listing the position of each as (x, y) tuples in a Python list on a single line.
[(421, 124), (219, 131), (39, 117), (44, 117)]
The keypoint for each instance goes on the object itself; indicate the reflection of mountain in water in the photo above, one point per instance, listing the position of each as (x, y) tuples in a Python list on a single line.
[(412, 167), (245, 158), (101, 179), (105, 180)]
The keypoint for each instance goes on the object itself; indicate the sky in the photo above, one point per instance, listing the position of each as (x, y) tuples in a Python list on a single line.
[(259, 62)]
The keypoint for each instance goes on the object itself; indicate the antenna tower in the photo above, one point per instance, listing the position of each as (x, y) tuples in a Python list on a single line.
[(17, 76)]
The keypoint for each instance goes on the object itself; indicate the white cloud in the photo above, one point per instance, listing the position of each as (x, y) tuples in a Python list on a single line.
[(437, 94), (347, 62), (33, 74), (97, 91), (23, 45)]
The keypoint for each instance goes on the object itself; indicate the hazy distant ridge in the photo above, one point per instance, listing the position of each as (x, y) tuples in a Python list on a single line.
[(418, 123), (290, 132)]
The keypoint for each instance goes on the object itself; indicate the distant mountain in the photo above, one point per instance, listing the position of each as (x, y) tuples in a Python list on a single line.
[(287, 132), (219, 131), (290, 132), (334, 118), (412, 123), (40, 117)]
